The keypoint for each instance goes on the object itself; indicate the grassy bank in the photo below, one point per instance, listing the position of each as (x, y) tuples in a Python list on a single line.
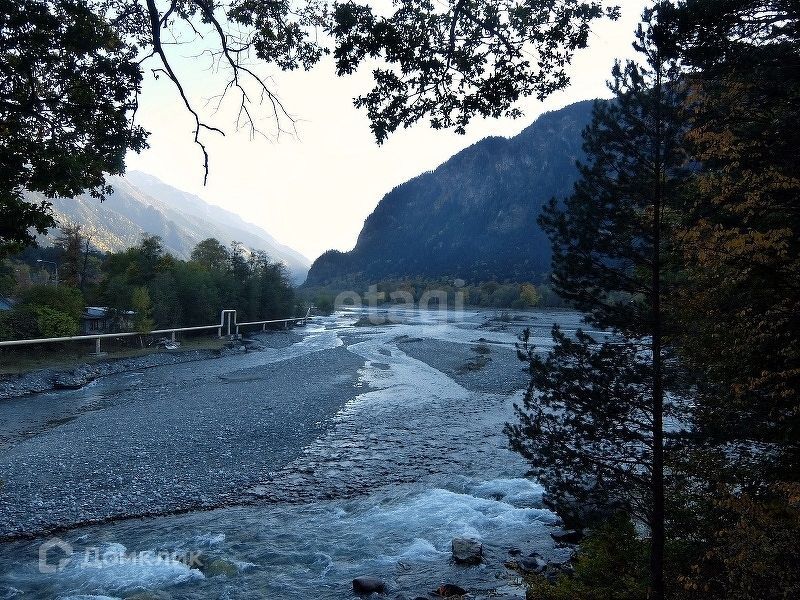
[(23, 359)]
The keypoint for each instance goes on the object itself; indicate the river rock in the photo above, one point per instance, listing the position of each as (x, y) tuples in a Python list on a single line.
[(568, 536), (532, 564), (467, 550), (219, 566), (449, 590), (368, 585)]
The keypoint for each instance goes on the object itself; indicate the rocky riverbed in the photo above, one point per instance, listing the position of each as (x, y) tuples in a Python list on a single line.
[(354, 451)]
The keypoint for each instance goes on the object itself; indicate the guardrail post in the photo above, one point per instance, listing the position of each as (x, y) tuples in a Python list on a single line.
[(173, 335), (97, 346)]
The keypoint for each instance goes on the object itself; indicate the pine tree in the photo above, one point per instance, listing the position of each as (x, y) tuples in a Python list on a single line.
[(592, 424)]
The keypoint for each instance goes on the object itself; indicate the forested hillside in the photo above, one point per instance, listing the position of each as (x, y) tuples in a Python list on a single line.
[(474, 217), (143, 205)]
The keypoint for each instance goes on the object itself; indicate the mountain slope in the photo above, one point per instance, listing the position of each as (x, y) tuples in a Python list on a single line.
[(143, 204), (188, 204), (473, 217)]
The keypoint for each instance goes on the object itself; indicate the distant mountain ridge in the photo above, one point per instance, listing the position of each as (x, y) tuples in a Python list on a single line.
[(143, 204), (473, 217)]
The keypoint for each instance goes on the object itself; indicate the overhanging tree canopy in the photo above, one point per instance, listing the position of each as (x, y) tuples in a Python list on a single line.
[(68, 87), (72, 70)]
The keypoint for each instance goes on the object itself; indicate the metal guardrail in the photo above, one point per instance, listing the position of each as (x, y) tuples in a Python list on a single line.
[(230, 324)]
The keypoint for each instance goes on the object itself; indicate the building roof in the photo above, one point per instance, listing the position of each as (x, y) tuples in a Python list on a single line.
[(95, 312), (101, 312)]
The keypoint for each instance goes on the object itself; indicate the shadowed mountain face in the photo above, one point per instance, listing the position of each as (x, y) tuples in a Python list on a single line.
[(143, 204), (474, 217)]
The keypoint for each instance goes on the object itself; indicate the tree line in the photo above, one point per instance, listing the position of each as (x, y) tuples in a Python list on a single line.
[(486, 294), (144, 287)]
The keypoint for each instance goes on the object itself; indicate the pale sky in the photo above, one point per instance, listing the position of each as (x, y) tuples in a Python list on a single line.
[(313, 192)]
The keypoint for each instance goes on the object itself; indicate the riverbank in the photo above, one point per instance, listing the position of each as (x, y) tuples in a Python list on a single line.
[(162, 440), (73, 372)]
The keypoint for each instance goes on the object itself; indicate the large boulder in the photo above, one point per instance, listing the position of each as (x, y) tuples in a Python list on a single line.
[(368, 585), (467, 551)]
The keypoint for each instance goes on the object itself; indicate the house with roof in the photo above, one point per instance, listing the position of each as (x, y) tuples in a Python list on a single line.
[(102, 319)]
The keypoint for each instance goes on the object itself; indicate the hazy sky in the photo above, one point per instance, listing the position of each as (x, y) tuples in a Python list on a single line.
[(313, 191)]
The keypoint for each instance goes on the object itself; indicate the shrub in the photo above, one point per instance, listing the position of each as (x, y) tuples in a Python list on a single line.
[(324, 304), (6, 331), (28, 321), (61, 298), (54, 323), (19, 323), (611, 563)]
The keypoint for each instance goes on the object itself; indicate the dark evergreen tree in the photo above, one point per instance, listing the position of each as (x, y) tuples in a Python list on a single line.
[(75, 249), (592, 424)]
